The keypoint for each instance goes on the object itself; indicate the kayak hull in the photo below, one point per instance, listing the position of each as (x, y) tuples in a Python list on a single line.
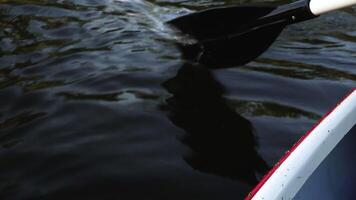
[(335, 177), (321, 164)]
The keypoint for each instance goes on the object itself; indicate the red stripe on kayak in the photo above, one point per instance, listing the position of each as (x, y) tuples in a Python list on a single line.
[(290, 151)]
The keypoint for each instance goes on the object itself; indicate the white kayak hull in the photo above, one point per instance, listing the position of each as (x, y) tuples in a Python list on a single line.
[(335, 177), (321, 165)]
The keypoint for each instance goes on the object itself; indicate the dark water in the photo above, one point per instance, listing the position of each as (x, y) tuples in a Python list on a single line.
[(96, 103)]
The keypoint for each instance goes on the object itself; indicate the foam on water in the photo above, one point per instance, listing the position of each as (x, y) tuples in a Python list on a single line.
[(158, 16)]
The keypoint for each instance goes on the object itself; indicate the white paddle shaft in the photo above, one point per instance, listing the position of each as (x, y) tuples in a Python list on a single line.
[(319, 7)]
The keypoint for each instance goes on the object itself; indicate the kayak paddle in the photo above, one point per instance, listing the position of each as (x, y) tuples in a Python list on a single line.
[(235, 35)]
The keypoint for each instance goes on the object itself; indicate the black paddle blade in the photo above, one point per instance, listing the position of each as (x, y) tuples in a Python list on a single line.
[(232, 36), (227, 36), (221, 21)]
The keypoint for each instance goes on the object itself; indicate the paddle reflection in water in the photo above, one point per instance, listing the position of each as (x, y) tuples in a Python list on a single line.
[(221, 140)]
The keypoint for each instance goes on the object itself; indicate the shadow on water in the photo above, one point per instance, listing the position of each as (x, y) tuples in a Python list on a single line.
[(222, 141)]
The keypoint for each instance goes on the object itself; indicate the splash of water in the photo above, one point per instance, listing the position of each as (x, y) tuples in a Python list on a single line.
[(158, 16)]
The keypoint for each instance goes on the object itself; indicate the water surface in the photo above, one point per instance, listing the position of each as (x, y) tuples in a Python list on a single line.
[(96, 102)]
